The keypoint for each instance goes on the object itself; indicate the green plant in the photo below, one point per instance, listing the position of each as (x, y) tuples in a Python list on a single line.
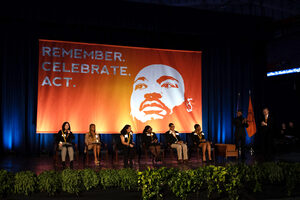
[(6, 183), (49, 182), (25, 182), (215, 177), (233, 182), (291, 175), (184, 183), (152, 181), (71, 181), (272, 172), (128, 179), (89, 178), (108, 178)]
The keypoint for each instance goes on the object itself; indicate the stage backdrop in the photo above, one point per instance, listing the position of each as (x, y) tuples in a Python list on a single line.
[(111, 86)]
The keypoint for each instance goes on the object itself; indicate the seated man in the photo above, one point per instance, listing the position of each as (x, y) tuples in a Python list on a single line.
[(175, 141)]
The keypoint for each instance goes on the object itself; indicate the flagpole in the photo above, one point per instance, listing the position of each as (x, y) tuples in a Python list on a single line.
[(238, 102)]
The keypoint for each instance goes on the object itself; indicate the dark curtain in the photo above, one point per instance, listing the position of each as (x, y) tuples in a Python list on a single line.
[(231, 63)]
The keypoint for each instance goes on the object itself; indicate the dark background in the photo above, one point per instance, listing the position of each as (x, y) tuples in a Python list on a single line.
[(237, 49)]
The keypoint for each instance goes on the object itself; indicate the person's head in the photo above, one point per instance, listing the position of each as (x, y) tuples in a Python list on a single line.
[(266, 111), (283, 126), (126, 129), (239, 113), (197, 127), (157, 89), (92, 128), (147, 129), (66, 126), (172, 126), (291, 124)]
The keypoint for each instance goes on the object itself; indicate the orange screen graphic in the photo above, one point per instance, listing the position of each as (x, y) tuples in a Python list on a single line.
[(111, 86)]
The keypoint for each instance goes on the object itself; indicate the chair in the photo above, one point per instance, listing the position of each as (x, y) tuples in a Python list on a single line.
[(167, 146), (199, 152), (57, 152), (147, 150), (227, 150), (197, 149), (103, 148), (116, 147)]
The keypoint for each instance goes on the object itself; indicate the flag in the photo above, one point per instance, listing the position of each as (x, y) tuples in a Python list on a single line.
[(251, 130)]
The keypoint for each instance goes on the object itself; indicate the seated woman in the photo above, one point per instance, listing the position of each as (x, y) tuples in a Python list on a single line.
[(199, 140), (128, 145), (151, 142), (175, 141), (64, 140), (92, 141)]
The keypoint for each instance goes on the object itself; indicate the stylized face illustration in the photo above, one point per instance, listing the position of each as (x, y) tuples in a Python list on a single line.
[(157, 89)]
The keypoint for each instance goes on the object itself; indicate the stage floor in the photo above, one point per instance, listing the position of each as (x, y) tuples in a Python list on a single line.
[(44, 162)]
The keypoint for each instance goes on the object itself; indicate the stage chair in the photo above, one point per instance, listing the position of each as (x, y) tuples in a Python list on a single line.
[(116, 142), (103, 148), (56, 156), (199, 152), (167, 147), (147, 150), (227, 150)]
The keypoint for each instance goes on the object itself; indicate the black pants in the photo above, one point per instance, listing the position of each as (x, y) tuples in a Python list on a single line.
[(128, 153), (240, 142), (266, 144)]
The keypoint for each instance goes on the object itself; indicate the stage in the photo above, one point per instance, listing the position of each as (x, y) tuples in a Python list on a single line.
[(43, 162)]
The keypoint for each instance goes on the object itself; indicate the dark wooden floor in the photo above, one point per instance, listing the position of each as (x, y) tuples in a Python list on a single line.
[(44, 162)]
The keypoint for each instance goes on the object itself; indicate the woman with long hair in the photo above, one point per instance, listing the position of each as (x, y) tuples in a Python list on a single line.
[(128, 145), (64, 140), (92, 141)]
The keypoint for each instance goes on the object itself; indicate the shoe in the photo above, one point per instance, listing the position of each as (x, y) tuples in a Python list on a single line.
[(71, 164), (186, 161), (180, 161)]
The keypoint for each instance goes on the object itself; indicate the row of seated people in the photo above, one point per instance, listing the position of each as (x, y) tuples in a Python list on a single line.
[(128, 147)]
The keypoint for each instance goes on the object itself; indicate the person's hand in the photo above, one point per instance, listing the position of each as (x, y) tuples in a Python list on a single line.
[(131, 145), (180, 142), (69, 131), (244, 121), (263, 123)]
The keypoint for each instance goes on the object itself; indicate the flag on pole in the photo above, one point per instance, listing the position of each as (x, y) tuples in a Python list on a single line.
[(251, 130)]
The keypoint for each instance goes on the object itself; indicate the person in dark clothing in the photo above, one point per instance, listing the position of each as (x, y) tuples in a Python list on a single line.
[(151, 142), (176, 142), (291, 129), (266, 133), (199, 140), (128, 145), (240, 124), (64, 143)]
